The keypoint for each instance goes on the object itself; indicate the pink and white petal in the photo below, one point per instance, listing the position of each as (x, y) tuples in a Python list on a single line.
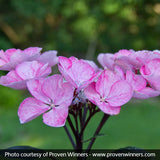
[(146, 93), (92, 79), (64, 62), (49, 57), (119, 72), (91, 93), (10, 52), (81, 72), (10, 78), (93, 65), (106, 108), (105, 81), (28, 70), (123, 53), (43, 71), (121, 92), (56, 117), (145, 56), (67, 76), (106, 60), (75, 71), (31, 108), (136, 81), (31, 51), (65, 95), (2, 62), (52, 87), (33, 69), (35, 88), (18, 57), (3, 56)]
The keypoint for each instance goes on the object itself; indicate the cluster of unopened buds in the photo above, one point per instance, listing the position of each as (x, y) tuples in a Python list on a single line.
[(81, 85)]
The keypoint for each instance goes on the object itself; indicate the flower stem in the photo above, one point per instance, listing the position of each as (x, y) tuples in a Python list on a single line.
[(103, 120), (70, 137)]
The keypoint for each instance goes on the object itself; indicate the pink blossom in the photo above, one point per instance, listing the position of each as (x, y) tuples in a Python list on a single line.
[(23, 72), (139, 85), (78, 72), (109, 92), (49, 57), (151, 72), (122, 59), (12, 57), (52, 98), (127, 59)]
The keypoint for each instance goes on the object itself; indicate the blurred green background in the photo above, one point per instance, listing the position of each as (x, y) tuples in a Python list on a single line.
[(83, 28)]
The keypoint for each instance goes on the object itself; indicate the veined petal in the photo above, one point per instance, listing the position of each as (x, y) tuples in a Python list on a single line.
[(91, 93), (56, 117), (136, 81), (35, 88), (77, 72), (52, 87), (31, 108), (67, 95), (32, 51), (151, 72), (33, 69), (146, 93), (106, 108), (120, 93), (12, 80), (58, 91), (106, 60), (49, 57), (105, 82)]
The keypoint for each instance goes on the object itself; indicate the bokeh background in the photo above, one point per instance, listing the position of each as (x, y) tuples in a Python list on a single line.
[(82, 28)]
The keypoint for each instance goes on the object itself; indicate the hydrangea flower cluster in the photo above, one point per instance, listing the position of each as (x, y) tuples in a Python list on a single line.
[(81, 85), (124, 75)]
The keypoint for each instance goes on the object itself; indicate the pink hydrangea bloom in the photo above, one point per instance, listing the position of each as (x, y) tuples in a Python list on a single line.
[(151, 72), (12, 57), (139, 85), (122, 59), (52, 98), (78, 72), (109, 92), (23, 72), (127, 59)]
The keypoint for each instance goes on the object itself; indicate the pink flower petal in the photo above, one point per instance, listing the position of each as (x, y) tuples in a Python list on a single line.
[(105, 81), (35, 88), (29, 70), (57, 90), (106, 60), (91, 93), (12, 80), (120, 93), (146, 93), (56, 117), (49, 57), (106, 108), (136, 81), (31, 51), (151, 72), (13, 57), (93, 65), (31, 108), (77, 72), (2, 62)]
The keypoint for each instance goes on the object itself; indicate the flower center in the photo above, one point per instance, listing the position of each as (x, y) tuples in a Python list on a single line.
[(102, 99)]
